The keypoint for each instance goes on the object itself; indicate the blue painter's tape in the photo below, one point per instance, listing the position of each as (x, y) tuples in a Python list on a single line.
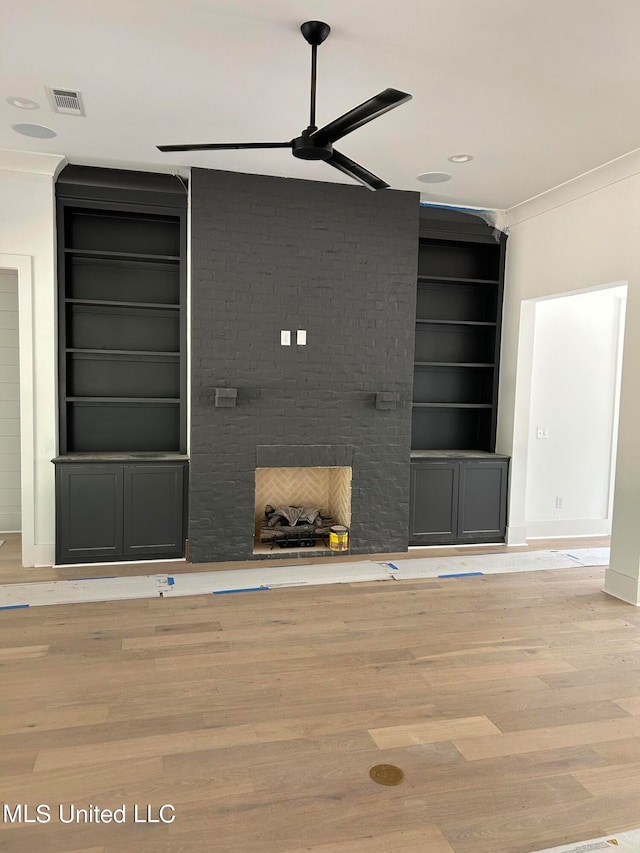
[(171, 581), (14, 606), (391, 566), (462, 575), (102, 578), (246, 589)]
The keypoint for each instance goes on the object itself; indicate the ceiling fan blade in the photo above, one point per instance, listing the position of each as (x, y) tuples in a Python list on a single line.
[(354, 170), (355, 118), (224, 146)]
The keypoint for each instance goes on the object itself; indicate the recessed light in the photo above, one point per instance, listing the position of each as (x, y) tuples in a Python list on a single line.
[(434, 177), (460, 158), (22, 103), (38, 131)]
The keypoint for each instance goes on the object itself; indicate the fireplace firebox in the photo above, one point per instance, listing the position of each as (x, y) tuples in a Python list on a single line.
[(297, 507)]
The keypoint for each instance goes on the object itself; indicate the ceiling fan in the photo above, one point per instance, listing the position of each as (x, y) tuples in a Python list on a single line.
[(314, 143)]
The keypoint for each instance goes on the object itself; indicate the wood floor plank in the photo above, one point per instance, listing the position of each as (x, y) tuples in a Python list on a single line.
[(46, 720), (608, 780), (493, 746), (490, 672), (410, 841), (432, 731), (143, 747), (631, 704), (20, 653)]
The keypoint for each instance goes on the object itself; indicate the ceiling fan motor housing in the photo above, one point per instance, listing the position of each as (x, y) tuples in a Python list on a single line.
[(305, 148)]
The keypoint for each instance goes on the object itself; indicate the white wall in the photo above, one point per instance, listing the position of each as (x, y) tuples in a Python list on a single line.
[(574, 381), (583, 235), (27, 243), (9, 404)]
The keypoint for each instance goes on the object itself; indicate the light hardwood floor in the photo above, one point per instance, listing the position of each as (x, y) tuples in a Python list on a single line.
[(511, 702)]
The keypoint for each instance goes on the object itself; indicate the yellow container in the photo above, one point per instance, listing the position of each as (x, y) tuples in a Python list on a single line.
[(339, 538)]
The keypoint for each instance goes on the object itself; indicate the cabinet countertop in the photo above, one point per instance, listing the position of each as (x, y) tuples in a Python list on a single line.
[(141, 457), (455, 454)]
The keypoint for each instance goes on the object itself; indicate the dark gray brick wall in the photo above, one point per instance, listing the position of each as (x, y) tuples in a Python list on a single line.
[(339, 261)]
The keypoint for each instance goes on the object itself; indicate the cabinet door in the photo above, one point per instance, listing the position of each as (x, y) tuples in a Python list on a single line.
[(482, 513), (154, 510), (434, 502), (89, 513)]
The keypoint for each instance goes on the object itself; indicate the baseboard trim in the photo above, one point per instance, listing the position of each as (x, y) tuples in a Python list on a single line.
[(622, 587), (560, 528)]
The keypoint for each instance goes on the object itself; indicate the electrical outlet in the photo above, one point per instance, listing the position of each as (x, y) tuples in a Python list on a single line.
[(559, 501), (542, 432)]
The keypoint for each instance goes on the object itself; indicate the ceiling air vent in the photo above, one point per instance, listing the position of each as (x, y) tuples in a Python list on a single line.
[(66, 101)]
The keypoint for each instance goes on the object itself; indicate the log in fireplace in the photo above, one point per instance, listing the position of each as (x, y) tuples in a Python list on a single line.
[(295, 526)]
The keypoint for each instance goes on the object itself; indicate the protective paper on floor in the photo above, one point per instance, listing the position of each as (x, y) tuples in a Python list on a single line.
[(623, 842), (189, 583), (265, 577), (588, 556), (487, 564)]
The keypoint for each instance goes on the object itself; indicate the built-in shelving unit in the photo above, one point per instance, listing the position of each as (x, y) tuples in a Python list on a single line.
[(458, 308), (121, 311), (458, 483), (122, 472)]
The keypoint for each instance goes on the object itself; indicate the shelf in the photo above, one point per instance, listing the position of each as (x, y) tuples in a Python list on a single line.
[(172, 400), (456, 322), (453, 364), (452, 405), (123, 351), (124, 256), (434, 279), (122, 304)]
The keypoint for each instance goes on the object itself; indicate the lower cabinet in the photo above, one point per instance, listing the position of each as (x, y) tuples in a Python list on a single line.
[(117, 511), (455, 501)]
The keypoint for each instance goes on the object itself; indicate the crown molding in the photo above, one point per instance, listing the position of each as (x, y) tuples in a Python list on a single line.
[(33, 162), (620, 169)]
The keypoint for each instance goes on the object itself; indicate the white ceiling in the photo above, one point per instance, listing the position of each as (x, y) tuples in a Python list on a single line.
[(539, 91)]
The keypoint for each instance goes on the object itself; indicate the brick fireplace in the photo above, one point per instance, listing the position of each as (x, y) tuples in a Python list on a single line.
[(272, 254)]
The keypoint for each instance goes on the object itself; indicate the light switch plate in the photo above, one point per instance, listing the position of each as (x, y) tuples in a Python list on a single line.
[(285, 338), (301, 337)]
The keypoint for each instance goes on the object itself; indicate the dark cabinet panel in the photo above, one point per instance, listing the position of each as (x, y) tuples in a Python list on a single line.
[(470, 302), (458, 501), (446, 428), (483, 500), (100, 230), (117, 511), (434, 501), (452, 385), (118, 328), (462, 344), (458, 259), (89, 517), (115, 375), (122, 281), (153, 503), (120, 426)]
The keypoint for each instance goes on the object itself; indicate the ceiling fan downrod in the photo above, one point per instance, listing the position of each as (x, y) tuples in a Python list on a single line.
[(315, 32)]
